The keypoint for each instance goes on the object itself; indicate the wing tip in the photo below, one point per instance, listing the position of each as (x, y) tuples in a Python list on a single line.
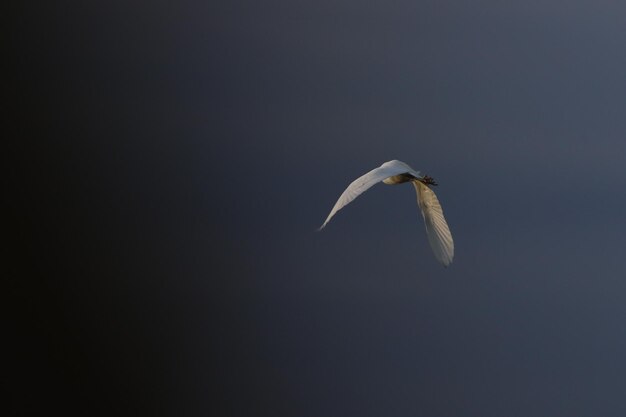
[(446, 261)]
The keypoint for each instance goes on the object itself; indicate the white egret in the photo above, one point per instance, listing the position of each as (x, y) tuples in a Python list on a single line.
[(397, 172)]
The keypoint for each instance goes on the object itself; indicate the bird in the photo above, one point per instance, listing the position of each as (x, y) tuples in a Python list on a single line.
[(397, 172)]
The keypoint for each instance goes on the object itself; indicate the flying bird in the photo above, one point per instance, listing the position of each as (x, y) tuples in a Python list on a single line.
[(397, 172)]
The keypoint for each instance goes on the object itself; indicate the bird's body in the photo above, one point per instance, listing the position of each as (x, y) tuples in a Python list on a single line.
[(397, 172), (399, 179)]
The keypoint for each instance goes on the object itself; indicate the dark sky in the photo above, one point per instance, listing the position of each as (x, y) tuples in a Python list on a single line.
[(170, 162)]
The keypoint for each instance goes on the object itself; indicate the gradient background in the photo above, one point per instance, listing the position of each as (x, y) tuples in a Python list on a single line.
[(171, 161)]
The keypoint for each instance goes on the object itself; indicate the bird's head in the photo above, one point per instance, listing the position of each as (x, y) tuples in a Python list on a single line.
[(428, 180)]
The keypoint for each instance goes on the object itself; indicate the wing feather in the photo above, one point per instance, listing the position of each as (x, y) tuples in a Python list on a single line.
[(366, 181), (437, 229)]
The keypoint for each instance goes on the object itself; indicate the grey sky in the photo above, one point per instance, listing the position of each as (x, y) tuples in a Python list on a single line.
[(192, 149)]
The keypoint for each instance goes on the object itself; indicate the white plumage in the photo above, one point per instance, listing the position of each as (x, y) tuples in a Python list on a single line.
[(397, 172)]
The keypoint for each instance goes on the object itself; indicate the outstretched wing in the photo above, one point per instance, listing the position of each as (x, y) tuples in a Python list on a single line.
[(363, 183), (439, 235)]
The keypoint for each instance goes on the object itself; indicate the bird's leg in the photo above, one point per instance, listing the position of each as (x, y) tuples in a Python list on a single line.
[(428, 180)]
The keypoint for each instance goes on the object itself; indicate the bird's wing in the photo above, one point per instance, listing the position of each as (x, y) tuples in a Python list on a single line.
[(437, 229), (364, 182)]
